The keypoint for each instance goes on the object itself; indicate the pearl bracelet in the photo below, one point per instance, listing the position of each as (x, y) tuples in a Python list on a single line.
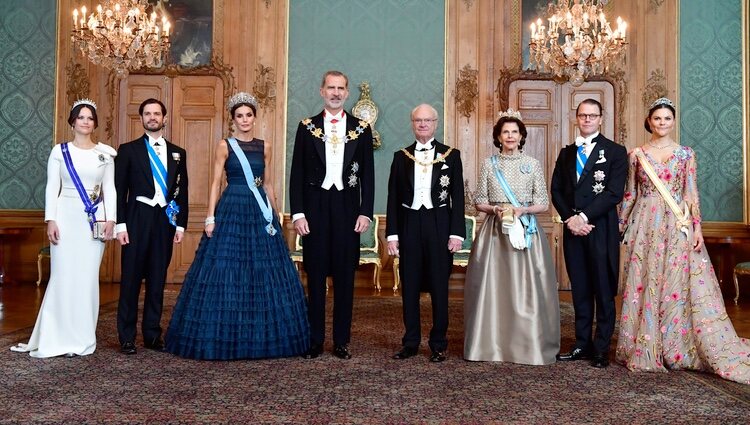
[(210, 220)]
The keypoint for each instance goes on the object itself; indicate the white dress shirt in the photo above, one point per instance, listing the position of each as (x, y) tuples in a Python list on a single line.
[(334, 152), (423, 176)]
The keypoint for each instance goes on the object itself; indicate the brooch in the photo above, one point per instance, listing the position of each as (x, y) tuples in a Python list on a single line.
[(443, 195), (445, 181), (176, 156), (94, 193), (601, 159), (526, 168), (258, 181)]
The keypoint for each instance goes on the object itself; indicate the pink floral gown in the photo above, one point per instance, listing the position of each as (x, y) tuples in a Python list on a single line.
[(673, 314)]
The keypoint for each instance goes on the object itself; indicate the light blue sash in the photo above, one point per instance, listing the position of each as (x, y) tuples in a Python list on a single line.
[(160, 175), (265, 207), (528, 220)]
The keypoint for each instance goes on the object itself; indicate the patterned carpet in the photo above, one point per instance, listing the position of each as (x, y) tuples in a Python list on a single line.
[(151, 387)]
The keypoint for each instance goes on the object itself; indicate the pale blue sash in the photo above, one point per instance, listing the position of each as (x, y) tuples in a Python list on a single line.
[(528, 220), (265, 207)]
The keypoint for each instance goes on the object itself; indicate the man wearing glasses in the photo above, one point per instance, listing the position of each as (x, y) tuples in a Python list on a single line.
[(424, 227), (587, 185)]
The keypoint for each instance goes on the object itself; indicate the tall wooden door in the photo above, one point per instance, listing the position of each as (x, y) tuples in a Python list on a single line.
[(194, 122), (548, 111)]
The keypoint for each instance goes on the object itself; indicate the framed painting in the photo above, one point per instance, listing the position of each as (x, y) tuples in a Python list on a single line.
[(192, 30)]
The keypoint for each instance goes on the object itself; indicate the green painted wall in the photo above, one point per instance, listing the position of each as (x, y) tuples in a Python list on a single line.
[(398, 46), (711, 103), (27, 99)]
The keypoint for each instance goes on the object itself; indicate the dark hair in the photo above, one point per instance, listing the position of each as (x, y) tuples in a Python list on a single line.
[(498, 128), (334, 73), (237, 106), (654, 109), (151, 101), (590, 101), (77, 111)]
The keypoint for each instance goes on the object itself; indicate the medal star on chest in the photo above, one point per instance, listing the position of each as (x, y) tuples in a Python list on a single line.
[(443, 195), (444, 181)]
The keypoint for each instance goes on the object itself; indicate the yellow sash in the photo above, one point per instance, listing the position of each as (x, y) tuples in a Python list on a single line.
[(682, 214)]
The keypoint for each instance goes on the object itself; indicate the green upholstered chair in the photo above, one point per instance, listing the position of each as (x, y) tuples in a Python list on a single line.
[(740, 269), (369, 250), (460, 258), (44, 252)]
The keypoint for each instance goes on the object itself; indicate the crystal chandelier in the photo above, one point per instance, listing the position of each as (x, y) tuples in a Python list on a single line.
[(578, 42), (121, 36)]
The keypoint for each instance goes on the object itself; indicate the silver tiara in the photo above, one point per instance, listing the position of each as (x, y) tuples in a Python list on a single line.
[(511, 113), (85, 101), (242, 97), (661, 101)]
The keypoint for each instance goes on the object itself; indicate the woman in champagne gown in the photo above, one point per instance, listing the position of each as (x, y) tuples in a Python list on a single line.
[(511, 307), (673, 314), (242, 297), (66, 324)]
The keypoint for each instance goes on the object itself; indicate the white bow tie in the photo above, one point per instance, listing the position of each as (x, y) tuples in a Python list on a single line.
[(582, 140)]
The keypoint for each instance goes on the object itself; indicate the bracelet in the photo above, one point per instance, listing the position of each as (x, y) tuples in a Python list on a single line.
[(210, 220), (494, 210)]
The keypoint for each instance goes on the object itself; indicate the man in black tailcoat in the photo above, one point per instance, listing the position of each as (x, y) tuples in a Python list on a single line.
[(587, 185), (152, 213), (331, 193), (424, 227)]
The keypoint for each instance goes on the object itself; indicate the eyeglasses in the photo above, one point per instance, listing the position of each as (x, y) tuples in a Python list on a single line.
[(588, 116), (423, 120)]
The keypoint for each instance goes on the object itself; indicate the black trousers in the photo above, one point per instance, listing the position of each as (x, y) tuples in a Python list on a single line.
[(594, 287), (331, 249), (425, 263), (147, 256)]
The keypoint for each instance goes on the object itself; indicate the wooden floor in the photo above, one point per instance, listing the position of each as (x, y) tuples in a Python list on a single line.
[(19, 304)]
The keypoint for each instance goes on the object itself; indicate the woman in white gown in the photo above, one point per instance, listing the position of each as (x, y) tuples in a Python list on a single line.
[(66, 324)]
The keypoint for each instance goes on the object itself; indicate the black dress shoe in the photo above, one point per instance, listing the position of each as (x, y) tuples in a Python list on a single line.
[(69, 355), (342, 352), (128, 348), (405, 353), (438, 356), (575, 354), (600, 361), (313, 352), (156, 345)]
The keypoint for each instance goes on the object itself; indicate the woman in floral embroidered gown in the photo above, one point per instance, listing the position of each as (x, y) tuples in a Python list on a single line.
[(673, 314)]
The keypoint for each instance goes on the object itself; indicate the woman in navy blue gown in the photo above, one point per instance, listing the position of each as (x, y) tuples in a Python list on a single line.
[(242, 297)]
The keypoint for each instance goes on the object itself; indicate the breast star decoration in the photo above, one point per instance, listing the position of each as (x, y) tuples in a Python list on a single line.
[(598, 187), (445, 181), (443, 195)]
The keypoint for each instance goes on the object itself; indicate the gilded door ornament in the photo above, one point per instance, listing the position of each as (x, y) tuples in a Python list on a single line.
[(467, 91), (656, 87), (366, 110), (264, 88), (78, 82)]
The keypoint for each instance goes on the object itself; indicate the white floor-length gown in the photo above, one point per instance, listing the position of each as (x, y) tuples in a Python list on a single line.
[(67, 318)]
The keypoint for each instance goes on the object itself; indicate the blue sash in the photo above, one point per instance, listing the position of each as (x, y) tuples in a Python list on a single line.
[(89, 207), (160, 175), (528, 220), (265, 207)]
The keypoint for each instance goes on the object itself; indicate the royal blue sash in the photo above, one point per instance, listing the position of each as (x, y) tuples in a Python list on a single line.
[(89, 207), (528, 220), (160, 175), (265, 206)]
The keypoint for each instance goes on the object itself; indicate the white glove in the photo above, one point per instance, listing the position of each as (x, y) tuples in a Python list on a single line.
[(517, 235)]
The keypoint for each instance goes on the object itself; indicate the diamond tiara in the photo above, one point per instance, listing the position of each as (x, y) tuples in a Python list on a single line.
[(661, 101), (511, 113), (85, 101), (242, 97)]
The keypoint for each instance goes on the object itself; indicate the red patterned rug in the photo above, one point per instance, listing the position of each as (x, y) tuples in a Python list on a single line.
[(151, 387)]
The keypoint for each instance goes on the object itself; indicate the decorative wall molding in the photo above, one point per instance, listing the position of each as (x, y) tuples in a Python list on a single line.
[(264, 88), (656, 87), (468, 4), (466, 91), (78, 81), (654, 5)]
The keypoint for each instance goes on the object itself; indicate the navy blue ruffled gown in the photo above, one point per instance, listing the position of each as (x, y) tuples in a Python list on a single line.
[(242, 297)]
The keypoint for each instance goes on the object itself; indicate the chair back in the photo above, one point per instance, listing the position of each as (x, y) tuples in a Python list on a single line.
[(471, 228), (368, 241)]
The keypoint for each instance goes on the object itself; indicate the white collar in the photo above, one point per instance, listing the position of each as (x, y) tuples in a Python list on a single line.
[(580, 140)]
